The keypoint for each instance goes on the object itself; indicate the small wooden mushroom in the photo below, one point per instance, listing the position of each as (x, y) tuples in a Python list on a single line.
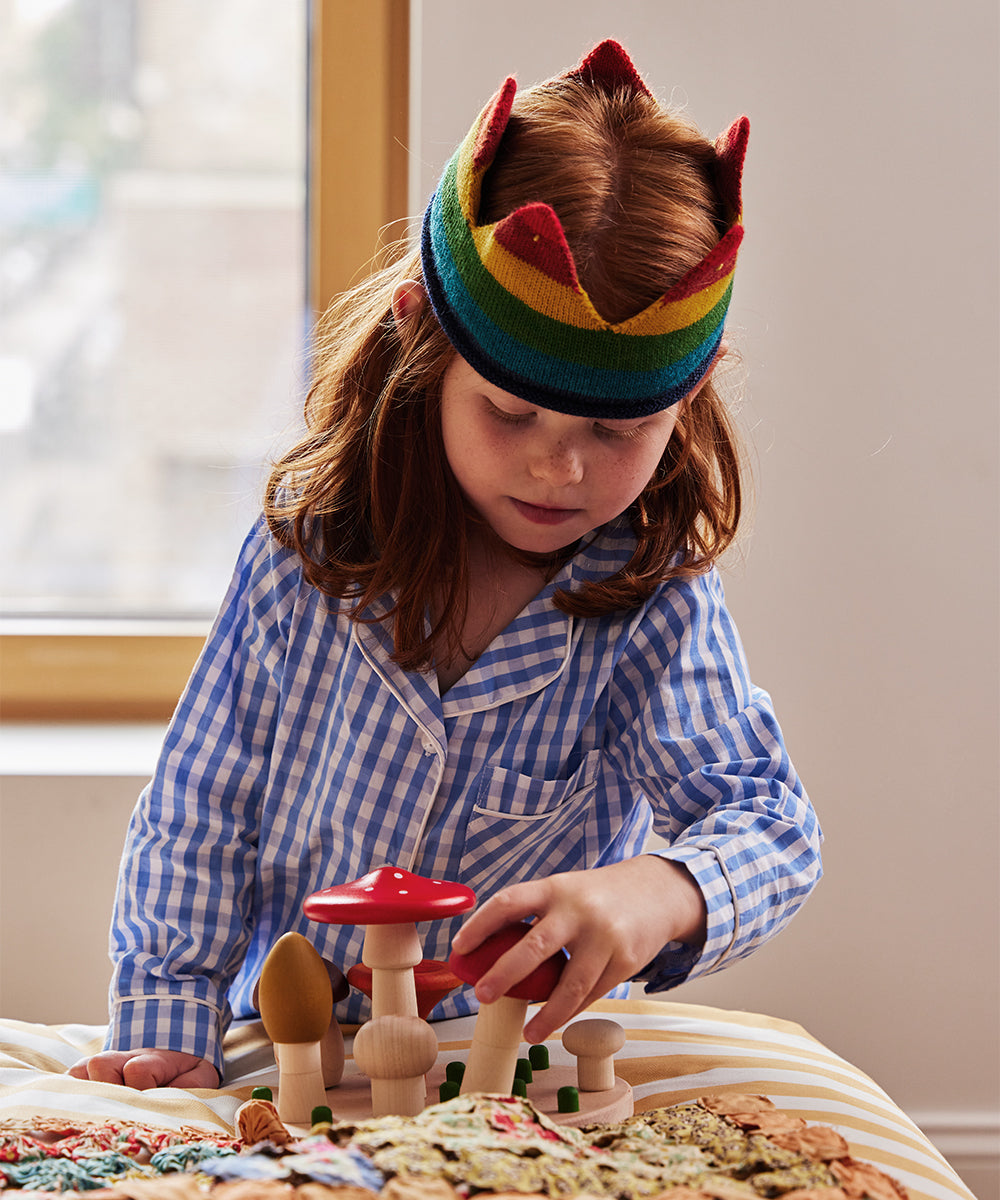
[(396, 1053), (387, 902), (497, 1035), (331, 1045), (594, 1043), (296, 1007)]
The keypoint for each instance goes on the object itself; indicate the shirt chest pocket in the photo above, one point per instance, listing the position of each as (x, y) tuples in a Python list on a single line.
[(524, 828)]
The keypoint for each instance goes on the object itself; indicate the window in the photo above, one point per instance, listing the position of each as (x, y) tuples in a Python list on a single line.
[(153, 310)]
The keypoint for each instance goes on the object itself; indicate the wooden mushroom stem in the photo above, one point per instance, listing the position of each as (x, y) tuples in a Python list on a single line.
[(433, 979), (300, 1087), (392, 951), (496, 1040)]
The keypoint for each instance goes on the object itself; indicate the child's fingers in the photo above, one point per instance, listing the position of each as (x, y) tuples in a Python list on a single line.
[(144, 1069), (204, 1075), (167, 1068), (585, 979), (101, 1068), (508, 906), (546, 937)]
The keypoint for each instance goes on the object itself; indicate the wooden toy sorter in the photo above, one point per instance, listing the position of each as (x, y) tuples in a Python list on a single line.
[(397, 1050)]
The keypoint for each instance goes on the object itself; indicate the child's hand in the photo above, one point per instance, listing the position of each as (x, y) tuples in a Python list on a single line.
[(143, 1069), (612, 920)]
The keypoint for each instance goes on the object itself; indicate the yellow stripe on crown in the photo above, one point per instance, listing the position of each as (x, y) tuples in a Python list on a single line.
[(562, 303)]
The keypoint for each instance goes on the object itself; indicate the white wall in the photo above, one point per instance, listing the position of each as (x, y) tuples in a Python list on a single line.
[(866, 309), (60, 843)]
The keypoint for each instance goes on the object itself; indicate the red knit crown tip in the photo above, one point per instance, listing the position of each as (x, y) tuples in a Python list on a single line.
[(731, 151), (534, 234), (492, 124), (609, 67)]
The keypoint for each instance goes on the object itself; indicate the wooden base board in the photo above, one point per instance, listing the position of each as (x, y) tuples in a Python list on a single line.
[(351, 1099)]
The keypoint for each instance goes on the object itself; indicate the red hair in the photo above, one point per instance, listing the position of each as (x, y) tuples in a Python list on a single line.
[(367, 498)]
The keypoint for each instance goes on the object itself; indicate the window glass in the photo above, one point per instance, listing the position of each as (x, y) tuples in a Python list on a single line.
[(152, 293)]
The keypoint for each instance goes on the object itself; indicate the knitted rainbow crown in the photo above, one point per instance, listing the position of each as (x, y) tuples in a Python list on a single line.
[(510, 302)]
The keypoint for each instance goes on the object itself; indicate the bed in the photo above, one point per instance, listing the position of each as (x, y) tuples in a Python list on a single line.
[(673, 1053)]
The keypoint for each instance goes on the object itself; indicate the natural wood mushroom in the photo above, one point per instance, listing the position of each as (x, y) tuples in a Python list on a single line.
[(387, 902), (331, 1045), (396, 1053), (497, 1035), (594, 1043), (296, 1007)]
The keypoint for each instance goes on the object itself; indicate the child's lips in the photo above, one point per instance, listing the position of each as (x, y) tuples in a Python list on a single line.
[(542, 514)]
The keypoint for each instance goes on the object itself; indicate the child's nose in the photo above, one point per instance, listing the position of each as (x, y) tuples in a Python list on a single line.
[(558, 462)]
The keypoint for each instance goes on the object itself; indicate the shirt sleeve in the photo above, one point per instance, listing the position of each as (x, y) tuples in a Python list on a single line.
[(705, 746), (183, 904)]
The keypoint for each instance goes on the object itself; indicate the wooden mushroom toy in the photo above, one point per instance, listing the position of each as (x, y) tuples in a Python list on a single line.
[(396, 1053), (387, 902), (296, 1006), (497, 1035), (433, 981), (594, 1043), (331, 1046)]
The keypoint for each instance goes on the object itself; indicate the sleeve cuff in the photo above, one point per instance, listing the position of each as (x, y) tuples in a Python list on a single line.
[(168, 1023), (677, 961)]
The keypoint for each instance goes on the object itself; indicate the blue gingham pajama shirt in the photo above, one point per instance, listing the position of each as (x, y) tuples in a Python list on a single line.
[(301, 756)]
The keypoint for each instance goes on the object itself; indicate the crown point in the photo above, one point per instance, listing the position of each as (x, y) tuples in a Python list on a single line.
[(608, 66), (534, 234), (492, 123), (731, 150)]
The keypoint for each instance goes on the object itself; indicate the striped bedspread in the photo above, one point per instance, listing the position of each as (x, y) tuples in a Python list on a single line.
[(673, 1052)]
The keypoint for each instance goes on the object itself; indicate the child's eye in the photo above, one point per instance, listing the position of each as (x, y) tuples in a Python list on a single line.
[(508, 418), (618, 435)]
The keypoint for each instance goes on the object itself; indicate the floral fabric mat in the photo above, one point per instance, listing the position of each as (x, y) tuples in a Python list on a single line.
[(727, 1147)]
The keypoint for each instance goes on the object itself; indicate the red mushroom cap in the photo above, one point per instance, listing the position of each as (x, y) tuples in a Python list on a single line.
[(388, 896), (539, 985)]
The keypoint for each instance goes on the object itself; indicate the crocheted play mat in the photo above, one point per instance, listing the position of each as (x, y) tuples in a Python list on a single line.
[(723, 1147)]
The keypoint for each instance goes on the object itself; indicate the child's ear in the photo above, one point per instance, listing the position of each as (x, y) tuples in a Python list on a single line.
[(408, 300)]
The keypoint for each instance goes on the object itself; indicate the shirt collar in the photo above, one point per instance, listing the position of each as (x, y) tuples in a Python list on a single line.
[(527, 656)]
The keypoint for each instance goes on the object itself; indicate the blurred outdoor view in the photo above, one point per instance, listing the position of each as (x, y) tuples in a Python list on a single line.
[(152, 293)]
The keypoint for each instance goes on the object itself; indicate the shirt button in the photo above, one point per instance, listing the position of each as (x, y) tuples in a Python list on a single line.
[(429, 746)]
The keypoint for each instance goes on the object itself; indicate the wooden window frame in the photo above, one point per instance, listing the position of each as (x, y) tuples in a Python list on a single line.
[(358, 170)]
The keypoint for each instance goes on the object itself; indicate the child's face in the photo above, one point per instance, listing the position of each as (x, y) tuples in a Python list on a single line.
[(542, 479)]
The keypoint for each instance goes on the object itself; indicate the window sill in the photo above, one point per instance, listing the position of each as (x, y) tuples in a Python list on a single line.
[(88, 672), (59, 749)]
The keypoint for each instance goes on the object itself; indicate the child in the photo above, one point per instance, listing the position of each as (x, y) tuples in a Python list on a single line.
[(479, 633)]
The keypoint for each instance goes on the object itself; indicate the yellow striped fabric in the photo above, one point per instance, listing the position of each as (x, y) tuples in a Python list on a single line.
[(673, 1052)]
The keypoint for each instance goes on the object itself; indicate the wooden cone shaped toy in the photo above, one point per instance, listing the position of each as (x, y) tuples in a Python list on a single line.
[(497, 1036), (387, 902), (296, 1006), (331, 1045)]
